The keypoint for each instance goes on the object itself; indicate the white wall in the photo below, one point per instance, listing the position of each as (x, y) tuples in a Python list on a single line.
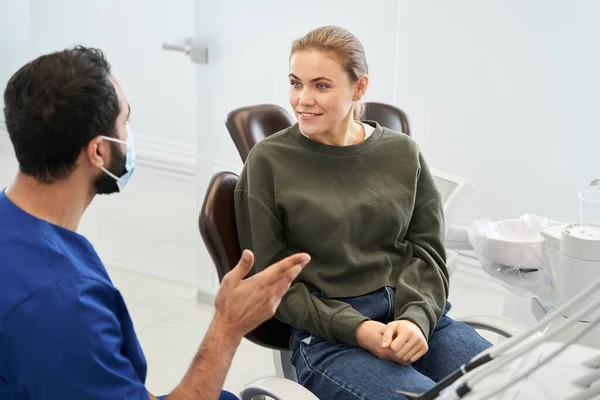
[(159, 85), (250, 44), (506, 93), (16, 44)]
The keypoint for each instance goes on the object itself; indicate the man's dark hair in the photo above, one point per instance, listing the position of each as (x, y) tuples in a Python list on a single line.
[(54, 106)]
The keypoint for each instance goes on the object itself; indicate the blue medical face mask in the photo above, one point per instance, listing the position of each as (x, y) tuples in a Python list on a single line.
[(129, 159)]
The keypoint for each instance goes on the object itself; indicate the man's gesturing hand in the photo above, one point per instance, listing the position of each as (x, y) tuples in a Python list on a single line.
[(243, 304)]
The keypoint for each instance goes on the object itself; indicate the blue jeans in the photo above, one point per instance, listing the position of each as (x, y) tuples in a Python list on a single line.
[(224, 396), (340, 371)]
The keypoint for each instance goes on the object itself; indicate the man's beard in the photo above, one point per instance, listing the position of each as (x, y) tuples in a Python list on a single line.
[(105, 184)]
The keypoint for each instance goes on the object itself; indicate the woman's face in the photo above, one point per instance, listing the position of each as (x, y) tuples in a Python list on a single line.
[(321, 92)]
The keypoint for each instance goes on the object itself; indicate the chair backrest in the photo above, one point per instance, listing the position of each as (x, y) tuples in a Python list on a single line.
[(218, 228), (249, 125), (387, 115), (217, 224)]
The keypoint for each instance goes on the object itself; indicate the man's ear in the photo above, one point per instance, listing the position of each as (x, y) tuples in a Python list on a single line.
[(97, 150), (361, 87)]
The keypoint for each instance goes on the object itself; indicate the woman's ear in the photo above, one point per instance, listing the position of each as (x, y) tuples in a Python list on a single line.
[(361, 87)]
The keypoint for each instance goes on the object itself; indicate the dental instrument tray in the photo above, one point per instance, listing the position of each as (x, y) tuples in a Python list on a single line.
[(512, 252)]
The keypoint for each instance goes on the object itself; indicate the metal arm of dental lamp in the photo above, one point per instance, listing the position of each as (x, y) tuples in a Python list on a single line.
[(503, 326)]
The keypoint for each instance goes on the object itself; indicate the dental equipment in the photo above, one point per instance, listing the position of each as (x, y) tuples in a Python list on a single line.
[(577, 252), (587, 380), (546, 259), (592, 393), (512, 343), (573, 251), (465, 388), (593, 363)]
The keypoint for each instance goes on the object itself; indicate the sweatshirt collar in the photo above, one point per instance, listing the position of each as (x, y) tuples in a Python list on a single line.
[(338, 150)]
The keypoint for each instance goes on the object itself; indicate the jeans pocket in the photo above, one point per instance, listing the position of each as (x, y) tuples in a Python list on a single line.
[(311, 340), (300, 337), (307, 340)]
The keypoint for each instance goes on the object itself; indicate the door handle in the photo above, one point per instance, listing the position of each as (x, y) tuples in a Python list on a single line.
[(198, 54)]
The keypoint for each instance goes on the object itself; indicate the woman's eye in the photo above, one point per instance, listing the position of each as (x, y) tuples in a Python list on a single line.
[(322, 86), (296, 84)]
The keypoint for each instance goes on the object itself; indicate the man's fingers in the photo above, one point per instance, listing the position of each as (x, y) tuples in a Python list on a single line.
[(388, 335), (281, 286), (240, 271), (287, 267), (290, 262)]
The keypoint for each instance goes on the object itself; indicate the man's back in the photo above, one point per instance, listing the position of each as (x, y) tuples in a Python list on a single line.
[(64, 329)]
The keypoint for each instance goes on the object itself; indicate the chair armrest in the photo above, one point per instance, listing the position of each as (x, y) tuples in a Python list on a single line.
[(278, 389), (451, 261), (503, 326), (455, 190)]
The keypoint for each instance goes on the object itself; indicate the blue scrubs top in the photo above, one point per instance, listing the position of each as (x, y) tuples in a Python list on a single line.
[(65, 332)]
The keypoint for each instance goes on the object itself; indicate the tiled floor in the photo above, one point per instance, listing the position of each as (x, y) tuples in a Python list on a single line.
[(152, 256)]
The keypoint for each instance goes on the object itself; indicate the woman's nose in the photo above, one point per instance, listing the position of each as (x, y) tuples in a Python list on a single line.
[(306, 98)]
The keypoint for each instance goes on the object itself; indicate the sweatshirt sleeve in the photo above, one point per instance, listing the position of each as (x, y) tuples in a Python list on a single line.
[(260, 231), (422, 288)]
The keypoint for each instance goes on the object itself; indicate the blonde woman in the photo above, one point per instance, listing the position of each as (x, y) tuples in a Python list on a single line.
[(369, 312)]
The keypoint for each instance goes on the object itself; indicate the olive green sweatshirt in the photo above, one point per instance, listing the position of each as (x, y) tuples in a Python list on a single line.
[(368, 214)]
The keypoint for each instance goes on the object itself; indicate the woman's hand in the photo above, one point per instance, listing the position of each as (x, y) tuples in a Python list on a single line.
[(369, 335), (405, 341)]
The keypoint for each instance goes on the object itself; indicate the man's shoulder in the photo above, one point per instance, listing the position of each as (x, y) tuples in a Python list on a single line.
[(64, 296), (83, 311), (37, 260)]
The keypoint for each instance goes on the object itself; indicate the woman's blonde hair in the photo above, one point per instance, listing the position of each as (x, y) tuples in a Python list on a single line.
[(346, 47)]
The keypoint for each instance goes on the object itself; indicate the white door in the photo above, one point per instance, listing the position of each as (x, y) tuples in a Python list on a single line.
[(150, 228), (248, 45)]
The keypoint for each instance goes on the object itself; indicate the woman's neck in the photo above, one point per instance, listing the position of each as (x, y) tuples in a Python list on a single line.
[(346, 133)]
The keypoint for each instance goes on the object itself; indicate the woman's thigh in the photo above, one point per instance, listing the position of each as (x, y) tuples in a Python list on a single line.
[(341, 371), (452, 344)]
